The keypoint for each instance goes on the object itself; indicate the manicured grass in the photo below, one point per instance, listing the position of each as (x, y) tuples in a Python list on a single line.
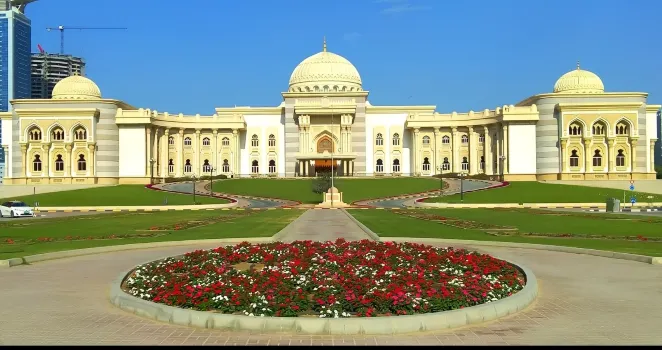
[(241, 224), (387, 223), (113, 196), (301, 189), (538, 192)]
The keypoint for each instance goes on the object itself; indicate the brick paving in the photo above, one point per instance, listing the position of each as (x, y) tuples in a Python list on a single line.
[(322, 225), (583, 300)]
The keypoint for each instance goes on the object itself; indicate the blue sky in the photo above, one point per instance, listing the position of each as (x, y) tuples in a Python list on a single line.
[(192, 56)]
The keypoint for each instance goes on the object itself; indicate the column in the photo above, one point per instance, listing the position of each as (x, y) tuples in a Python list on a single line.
[(473, 152), (437, 150), (302, 147), (91, 160), (499, 167), (5, 148), (155, 151), (587, 156), (46, 164), (164, 156), (487, 151), (196, 148), (505, 149), (24, 159), (564, 156), (67, 164), (651, 157), (455, 151), (214, 155), (612, 157), (633, 155), (148, 150), (416, 170), (179, 170), (235, 152), (349, 142)]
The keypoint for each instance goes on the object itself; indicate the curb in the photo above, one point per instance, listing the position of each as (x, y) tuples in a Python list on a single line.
[(364, 228), (121, 247), (602, 253), (346, 326)]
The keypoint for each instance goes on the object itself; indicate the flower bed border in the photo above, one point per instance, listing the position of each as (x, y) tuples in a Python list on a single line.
[(348, 326)]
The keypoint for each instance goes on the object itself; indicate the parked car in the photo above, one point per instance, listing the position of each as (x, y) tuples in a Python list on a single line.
[(15, 209)]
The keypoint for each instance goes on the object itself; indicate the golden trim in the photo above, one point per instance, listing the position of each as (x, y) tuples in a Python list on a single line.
[(598, 106), (6, 115), (118, 103), (532, 99), (56, 112), (325, 94), (223, 111), (653, 108)]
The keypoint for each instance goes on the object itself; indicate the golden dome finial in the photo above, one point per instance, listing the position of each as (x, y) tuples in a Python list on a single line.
[(577, 64), (324, 46)]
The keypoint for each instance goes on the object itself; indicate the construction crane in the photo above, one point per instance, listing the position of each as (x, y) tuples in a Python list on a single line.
[(62, 29)]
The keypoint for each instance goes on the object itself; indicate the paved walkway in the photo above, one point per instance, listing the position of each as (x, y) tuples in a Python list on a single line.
[(583, 300), (8, 191), (322, 225), (648, 186)]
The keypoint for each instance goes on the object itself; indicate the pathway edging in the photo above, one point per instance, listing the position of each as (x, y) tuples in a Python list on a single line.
[(330, 326)]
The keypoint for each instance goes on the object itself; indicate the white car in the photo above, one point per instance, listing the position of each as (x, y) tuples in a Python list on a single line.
[(15, 209)]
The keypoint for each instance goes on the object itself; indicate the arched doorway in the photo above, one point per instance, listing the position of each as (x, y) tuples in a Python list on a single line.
[(324, 144)]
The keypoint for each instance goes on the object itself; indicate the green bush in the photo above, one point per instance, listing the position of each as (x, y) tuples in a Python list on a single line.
[(322, 183)]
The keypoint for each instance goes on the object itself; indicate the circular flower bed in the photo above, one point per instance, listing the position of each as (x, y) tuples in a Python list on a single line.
[(326, 279)]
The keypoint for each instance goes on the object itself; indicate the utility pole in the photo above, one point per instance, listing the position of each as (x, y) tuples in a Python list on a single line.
[(62, 29)]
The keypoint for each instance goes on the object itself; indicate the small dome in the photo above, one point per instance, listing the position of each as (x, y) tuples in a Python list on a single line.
[(325, 72), (332, 190), (76, 87), (579, 81)]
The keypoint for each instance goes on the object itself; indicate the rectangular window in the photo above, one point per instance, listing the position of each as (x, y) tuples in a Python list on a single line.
[(574, 162), (426, 166), (620, 161), (255, 169), (171, 168), (396, 168), (465, 166), (226, 168), (380, 168), (36, 166), (597, 161), (272, 169), (188, 168), (446, 166)]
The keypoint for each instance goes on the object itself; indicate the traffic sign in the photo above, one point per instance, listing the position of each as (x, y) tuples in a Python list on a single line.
[(632, 181), (633, 200), (631, 187)]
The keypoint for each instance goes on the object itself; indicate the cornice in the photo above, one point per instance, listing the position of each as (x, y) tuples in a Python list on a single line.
[(532, 99), (653, 108), (56, 112), (325, 94), (221, 111), (324, 110), (117, 103), (6, 115), (598, 106), (400, 109)]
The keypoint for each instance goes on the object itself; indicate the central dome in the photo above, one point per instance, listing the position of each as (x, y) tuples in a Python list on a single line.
[(76, 87), (579, 81), (325, 72)]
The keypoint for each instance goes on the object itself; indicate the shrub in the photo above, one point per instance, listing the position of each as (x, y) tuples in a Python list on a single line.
[(322, 183)]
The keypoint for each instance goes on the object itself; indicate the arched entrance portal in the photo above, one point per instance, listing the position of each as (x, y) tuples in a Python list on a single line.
[(324, 144)]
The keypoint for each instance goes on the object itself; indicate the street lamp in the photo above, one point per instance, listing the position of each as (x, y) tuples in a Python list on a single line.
[(151, 173), (211, 182), (193, 177), (441, 181), (462, 175), (502, 158)]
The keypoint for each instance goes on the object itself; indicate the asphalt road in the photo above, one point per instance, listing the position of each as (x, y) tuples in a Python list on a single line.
[(397, 203), (188, 188), (51, 216)]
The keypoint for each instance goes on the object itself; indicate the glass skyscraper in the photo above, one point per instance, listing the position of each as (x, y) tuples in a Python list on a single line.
[(15, 61)]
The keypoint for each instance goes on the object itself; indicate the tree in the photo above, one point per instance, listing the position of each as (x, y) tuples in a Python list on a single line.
[(322, 183)]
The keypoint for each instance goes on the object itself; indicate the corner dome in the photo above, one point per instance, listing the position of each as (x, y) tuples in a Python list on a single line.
[(325, 72), (76, 87), (579, 81)]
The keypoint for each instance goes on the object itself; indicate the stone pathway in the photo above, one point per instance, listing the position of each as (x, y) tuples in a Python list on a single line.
[(583, 300), (322, 225)]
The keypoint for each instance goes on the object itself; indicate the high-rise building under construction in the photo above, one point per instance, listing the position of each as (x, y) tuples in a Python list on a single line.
[(48, 69)]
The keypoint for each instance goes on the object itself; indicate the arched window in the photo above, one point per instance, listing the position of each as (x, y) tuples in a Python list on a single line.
[(426, 164), (171, 140), (465, 139), (206, 141), (426, 140), (396, 139), (575, 129), (272, 140), (380, 166), (82, 164), (272, 166), (597, 158), (254, 141), (225, 141), (465, 164), (187, 166), (446, 165), (598, 129), (396, 165), (187, 141), (482, 162), (80, 134), (620, 158), (57, 134), (34, 134), (59, 163), (445, 140), (36, 163), (574, 159), (171, 166), (621, 129), (255, 168), (379, 140), (481, 138), (226, 166), (206, 167)]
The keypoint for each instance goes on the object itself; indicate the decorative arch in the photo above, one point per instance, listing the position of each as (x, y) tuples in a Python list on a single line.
[(605, 125), (625, 122), (579, 151), (74, 131), (576, 127), (52, 127), (325, 134), (36, 128)]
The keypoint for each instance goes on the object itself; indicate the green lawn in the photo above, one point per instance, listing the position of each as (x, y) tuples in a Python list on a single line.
[(538, 192), (301, 189), (88, 231), (113, 196), (387, 223)]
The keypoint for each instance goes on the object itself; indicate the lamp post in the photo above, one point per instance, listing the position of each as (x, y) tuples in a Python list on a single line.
[(193, 178), (441, 181), (462, 175), (151, 173), (211, 182), (502, 158)]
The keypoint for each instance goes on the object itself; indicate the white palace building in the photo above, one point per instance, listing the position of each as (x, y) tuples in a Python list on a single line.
[(578, 131)]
